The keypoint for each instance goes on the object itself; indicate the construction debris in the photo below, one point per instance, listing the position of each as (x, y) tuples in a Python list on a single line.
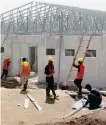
[(19, 105), (63, 87), (10, 82), (67, 87)]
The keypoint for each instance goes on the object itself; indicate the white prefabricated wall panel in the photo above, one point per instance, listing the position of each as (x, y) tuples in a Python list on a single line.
[(48, 42), (18, 50), (102, 63), (66, 61), (92, 63)]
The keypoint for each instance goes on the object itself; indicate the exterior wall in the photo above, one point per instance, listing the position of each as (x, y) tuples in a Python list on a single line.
[(95, 66), (48, 42), (102, 63), (92, 63)]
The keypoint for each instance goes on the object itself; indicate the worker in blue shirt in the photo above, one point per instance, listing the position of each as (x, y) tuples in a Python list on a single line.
[(94, 97)]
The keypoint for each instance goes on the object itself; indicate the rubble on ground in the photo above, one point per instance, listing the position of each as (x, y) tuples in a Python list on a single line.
[(63, 87), (67, 87), (98, 118), (10, 82), (41, 85)]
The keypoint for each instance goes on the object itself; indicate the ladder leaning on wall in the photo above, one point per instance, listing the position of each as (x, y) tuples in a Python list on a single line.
[(81, 53)]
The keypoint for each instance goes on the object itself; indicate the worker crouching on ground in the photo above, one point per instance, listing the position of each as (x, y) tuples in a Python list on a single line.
[(49, 71), (80, 75), (6, 64), (94, 97), (25, 72)]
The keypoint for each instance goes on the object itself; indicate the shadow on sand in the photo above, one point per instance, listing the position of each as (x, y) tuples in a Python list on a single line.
[(23, 92), (50, 100)]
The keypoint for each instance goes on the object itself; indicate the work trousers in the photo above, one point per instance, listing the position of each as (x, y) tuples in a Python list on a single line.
[(50, 86), (24, 81), (94, 102), (5, 73), (78, 84)]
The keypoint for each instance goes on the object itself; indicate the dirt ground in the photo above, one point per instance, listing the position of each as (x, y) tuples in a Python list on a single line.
[(14, 113)]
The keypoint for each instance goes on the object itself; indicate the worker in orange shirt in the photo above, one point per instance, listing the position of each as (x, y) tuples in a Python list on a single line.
[(80, 75), (25, 72), (6, 64)]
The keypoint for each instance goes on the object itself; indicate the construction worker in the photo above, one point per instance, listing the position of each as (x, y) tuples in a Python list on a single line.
[(80, 75), (94, 97), (49, 71), (6, 64), (25, 72)]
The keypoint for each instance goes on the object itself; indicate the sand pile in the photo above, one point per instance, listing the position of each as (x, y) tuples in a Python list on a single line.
[(98, 118), (10, 83)]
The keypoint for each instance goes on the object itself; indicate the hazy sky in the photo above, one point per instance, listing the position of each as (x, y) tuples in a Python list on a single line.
[(6, 5)]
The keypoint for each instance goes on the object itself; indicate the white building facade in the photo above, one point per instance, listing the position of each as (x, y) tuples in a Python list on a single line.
[(18, 46)]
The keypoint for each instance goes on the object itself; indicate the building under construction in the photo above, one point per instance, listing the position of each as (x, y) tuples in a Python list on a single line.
[(38, 30)]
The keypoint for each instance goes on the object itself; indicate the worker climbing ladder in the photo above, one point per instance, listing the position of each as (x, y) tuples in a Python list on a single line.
[(81, 53)]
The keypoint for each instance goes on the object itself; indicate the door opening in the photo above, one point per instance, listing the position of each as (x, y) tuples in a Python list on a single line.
[(33, 59)]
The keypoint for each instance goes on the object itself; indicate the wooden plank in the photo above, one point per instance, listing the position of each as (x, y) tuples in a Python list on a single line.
[(34, 102)]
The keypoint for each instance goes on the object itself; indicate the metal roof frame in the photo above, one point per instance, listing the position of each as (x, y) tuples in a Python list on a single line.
[(36, 18)]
